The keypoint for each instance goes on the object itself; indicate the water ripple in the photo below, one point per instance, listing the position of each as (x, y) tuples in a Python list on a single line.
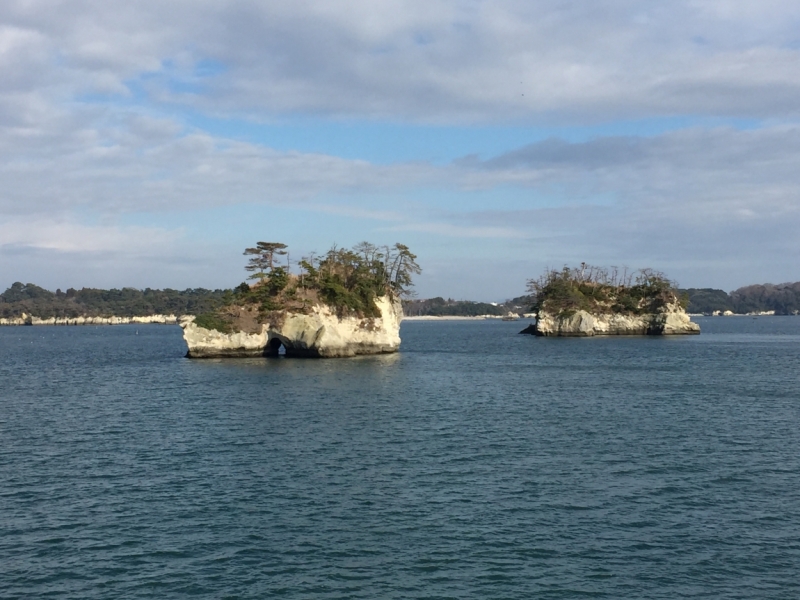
[(476, 463)]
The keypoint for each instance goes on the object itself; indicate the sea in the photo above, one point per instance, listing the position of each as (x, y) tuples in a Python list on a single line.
[(474, 463)]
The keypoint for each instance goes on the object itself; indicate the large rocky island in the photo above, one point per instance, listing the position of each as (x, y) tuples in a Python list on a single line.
[(318, 333), (589, 301), (346, 303)]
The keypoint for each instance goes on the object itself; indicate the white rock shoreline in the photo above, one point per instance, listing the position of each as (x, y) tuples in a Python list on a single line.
[(83, 320), (671, 321)]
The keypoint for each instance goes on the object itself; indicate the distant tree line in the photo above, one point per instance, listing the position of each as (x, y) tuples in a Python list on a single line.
[(28, 298), (707, 300), (126, 302), (783, 298), (439, 307)]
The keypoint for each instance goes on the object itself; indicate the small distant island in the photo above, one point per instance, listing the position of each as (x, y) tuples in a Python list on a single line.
[(589, 301), (343, 303)]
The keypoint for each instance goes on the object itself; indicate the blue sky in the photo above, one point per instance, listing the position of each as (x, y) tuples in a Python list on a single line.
[(148, 143)]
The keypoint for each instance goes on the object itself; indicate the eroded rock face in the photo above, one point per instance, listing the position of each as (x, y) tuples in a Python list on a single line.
[(209, 343), (319, 334), (672, 321)]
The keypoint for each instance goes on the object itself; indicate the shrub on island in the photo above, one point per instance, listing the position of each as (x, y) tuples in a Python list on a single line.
[(342, 303), (592, 300)]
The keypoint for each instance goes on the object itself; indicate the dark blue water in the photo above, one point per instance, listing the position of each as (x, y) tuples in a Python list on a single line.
[(477, 463)]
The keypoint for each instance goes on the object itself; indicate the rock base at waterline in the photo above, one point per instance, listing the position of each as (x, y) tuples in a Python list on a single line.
[(584, 324)]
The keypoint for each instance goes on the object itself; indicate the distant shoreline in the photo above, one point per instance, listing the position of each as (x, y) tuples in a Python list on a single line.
[(173, 319), (460, 318), (27, 320)]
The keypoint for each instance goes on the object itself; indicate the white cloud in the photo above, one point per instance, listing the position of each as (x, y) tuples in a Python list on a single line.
[(66, 253), (131, 163), (658, 201), (716, 174), (717, 207), (68, 236), (454, 60), (460, 231)]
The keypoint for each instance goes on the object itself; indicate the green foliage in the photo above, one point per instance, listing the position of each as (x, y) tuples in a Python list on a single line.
[(262, 258), (348, 280), (277, 281), (439, 307), (19, 292), (683, 299), (784, 298), (707, 300), (260, 295), (599, 290), (333, 292), (308, 270), (126, 302), (461, 309), (213, 321)]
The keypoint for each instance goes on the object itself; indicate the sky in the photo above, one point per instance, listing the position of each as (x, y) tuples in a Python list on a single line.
[(146, 143)]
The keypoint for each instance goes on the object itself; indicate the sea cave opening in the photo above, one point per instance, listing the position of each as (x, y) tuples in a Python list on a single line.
[(276, 348)]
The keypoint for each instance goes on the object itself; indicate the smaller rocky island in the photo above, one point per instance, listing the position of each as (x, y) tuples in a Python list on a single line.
[(344, 303), (589, 301)]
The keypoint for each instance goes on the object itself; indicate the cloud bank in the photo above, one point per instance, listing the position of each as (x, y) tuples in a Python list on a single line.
[(98, 133), (462, 61)]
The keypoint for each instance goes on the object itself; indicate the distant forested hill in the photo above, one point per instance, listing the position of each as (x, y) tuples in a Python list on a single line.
[(439, 307), (707, 300), (783, 298), (127, 302)]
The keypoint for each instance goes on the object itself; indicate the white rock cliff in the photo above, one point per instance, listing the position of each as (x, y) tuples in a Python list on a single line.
[(671, 321), (318, 334)]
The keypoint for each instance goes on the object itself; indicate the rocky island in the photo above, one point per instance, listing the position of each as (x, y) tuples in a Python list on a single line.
[(345, 303), (588, 301)]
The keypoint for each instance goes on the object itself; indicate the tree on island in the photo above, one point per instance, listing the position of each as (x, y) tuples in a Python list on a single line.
[(349, 281), (600, 290), (262, 258), (403, 267)]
